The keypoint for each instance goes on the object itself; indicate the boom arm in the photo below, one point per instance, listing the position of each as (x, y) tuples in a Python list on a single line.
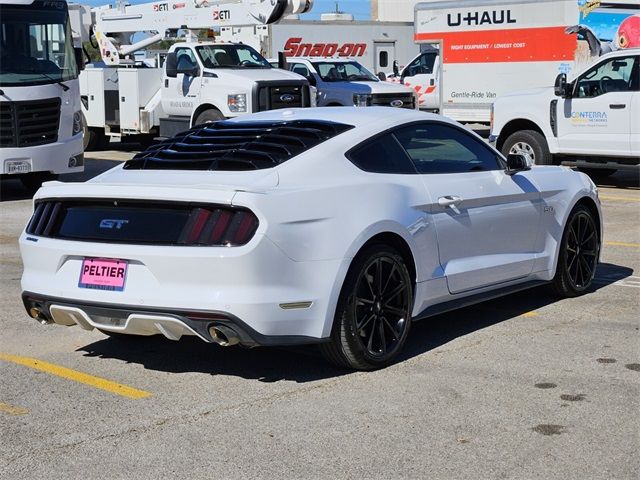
[(114, 27)]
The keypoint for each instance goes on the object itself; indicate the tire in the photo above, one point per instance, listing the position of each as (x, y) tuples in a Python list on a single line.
[(208, 116), (373, 315), (531, 144), (97, 140), (33, 181), (578, 255)]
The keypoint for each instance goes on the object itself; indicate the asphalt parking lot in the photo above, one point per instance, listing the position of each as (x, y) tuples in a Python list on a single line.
[(521, 387)]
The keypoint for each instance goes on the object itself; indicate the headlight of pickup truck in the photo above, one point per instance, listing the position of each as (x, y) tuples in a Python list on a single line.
[(237, 103), (362, 99), (77, 123)]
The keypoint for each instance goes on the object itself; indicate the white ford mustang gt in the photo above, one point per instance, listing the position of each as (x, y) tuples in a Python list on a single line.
[(336, 226)]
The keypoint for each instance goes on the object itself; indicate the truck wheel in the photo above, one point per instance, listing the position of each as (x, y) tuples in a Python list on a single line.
[(531, 144), (33, 181), (96, 140), (208, 116)]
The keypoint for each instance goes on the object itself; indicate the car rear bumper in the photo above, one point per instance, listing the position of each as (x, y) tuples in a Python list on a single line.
[(255, 287)]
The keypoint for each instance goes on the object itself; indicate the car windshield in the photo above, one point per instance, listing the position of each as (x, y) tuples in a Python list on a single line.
[(36, 44), (343, 72), (231, 56)]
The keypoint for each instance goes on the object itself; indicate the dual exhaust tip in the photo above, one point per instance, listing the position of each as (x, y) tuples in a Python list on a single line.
[(224, 336)]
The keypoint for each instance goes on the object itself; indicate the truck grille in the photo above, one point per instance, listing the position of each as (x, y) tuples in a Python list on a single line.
[(29, 123), (273, 97), (387, 99)]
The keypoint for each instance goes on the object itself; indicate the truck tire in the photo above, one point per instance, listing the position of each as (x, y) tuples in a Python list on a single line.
[(96, 140), (208, 116), (531, 144)]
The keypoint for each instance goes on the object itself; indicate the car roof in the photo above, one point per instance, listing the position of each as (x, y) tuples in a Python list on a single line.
[(359, 117)]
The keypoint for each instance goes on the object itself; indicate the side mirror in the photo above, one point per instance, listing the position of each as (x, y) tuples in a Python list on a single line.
[(516, 163), (79, 54), (171, 65), (396, 70), (382, 76), (282, 61), (562, 88), (311, 79), (190, 72)]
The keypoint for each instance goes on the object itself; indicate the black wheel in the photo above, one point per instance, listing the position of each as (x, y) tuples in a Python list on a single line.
[(530, 144), (579, 253), (209, 116), (373, 315), (96, 140), (33, 181)]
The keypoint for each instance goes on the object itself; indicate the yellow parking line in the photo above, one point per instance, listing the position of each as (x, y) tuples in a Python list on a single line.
[(614, 197), (623, 244), (530, 314), (12, 410), (76, 376)]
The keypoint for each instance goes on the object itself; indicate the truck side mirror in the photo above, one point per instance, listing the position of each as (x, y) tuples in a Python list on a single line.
[(190, 72), (171, 65), (311, 79), (561, 88), (282, 61), (79, 54), (396, 70), (382, 76)]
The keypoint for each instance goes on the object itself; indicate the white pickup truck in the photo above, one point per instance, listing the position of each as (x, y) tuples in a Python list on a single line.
[(591, 122), (344, 82)]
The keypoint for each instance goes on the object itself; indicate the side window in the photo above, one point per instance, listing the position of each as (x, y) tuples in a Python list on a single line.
[(615, 75), (383, 154), (439, 148), (300, 69), (421, 65), (383, 60), (186, 58)]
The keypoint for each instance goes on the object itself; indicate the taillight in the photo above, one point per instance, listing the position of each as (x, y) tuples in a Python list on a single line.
[(219, 226)]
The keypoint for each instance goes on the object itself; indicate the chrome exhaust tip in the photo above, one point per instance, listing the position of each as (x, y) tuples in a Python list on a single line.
[(223, 336), (39, 315)]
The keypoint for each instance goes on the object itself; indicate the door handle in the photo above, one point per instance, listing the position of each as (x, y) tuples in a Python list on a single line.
[(617, 106), (449, 201)]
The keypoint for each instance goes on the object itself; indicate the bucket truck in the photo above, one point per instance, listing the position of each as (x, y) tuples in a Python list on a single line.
[(199, 82), (40, 117)]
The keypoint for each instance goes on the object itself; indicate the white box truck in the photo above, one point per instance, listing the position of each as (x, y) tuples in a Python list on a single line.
[(376, 45), (483, 49)]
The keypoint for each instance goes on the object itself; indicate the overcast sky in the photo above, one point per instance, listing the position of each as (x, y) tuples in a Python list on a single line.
[(361, 9)]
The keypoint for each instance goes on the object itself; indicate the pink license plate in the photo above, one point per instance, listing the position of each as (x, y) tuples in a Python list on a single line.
[(103, 274)]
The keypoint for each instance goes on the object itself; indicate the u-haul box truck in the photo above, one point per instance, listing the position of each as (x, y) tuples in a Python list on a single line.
[(483, 49)]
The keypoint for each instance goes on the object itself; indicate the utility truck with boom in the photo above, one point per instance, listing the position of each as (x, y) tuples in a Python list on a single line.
[(40, 117), (200, 81)]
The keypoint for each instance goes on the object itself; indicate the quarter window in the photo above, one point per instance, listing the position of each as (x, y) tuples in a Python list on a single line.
[(383, 154), (439, 148)]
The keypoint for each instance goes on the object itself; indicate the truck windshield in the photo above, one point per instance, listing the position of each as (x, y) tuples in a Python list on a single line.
[(231, 56), (36, 44), (343, 72)]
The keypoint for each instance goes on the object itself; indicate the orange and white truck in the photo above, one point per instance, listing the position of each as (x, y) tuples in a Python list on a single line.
[(474, 51)]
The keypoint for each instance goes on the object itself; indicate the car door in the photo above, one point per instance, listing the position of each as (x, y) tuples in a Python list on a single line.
[(486, 221), (597, 118), (182, 93)]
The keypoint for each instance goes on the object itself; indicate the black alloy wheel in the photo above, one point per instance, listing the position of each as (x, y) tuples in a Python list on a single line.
[(579, 253), (374, 311)]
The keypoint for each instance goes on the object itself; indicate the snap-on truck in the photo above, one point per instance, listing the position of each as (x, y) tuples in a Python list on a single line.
[(376, 45), (474, 52), (200, 81), (40, 119)]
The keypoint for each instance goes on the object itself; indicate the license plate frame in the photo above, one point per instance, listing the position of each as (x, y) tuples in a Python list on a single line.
[(99, 273), (17, 167)]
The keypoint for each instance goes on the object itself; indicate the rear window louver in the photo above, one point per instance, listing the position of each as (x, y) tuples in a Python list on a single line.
[(236, 146)]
